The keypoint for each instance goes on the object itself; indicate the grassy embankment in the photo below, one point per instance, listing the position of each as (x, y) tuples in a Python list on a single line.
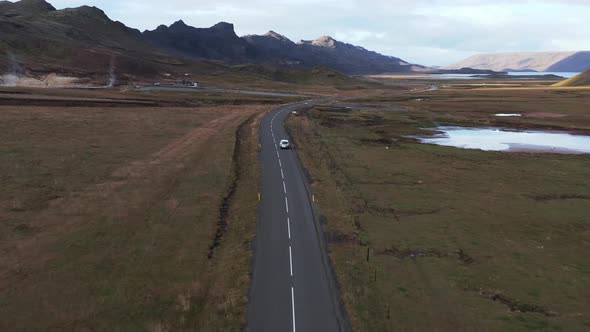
[(458, 240), (582, 79), (109, 211)]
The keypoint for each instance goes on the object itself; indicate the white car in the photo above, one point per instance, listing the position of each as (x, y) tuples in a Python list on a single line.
[(284, 144)]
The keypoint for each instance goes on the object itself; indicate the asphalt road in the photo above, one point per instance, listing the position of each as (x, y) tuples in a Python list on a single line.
[(193, 89), (293, 287)]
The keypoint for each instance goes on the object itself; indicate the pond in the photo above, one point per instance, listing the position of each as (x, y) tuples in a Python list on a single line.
[(497, 139), (508, 114)]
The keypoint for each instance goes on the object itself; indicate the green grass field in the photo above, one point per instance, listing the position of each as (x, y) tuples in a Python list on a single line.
[(456, 240)]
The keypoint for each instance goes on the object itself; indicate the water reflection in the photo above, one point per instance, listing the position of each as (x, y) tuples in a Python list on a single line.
[(508, 114), (495, 139)]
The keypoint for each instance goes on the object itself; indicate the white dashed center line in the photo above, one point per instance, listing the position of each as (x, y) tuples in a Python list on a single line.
[(287, 209), (291, 260), (287, 204)]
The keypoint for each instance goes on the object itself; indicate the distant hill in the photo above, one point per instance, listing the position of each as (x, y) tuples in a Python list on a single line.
[(528, 61), (35, 25), (317, 75), (25, 6), (36, 39), (582, 79)]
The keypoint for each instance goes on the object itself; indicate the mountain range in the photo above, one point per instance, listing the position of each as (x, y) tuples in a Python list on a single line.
[(37, 39), (220, 42), (528, 61)]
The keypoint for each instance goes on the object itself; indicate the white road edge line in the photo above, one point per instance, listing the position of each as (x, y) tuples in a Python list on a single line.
[(293, 306), (280, 164), (284, 187), (291, 260), (282, 174), (289, 227)]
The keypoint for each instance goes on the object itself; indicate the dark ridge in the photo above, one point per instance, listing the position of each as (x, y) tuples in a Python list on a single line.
[(411, 253), (515, 305), (542, 198), (222, 222), (220, 42), (37, 6)]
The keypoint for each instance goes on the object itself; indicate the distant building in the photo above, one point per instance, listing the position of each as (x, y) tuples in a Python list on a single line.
[(186, 82)]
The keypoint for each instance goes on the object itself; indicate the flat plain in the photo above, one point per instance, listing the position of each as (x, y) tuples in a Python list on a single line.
[(115, 208), (425, 237)]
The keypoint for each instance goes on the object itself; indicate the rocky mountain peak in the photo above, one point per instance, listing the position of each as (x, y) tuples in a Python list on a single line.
[(276, 36), (84, 11), (325, 41), (224, 26), (160, 27), (36, 5), (87, 16), (26, 7), (178, 26), (179, 23)]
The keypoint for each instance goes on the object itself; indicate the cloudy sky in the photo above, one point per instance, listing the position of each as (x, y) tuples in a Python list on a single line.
[(428, 32)]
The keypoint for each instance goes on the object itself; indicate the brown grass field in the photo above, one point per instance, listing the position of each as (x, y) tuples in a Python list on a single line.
[(433, 238), (129, 211), (111, 209)]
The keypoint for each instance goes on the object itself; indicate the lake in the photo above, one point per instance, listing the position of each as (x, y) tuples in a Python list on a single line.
[(562, 74), (498, 139), (515, 74)]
